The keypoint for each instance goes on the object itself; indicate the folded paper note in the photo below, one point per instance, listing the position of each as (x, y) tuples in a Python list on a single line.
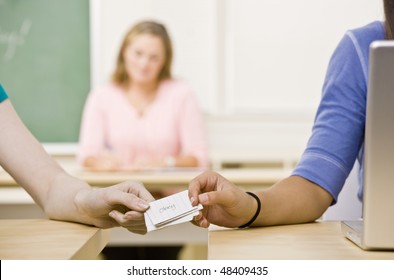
[(171, 210)]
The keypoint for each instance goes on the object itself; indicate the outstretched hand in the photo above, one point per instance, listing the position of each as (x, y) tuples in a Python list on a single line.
[(224, 203), (123, 205)]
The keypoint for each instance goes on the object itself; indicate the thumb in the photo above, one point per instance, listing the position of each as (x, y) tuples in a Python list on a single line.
[(222, 198)]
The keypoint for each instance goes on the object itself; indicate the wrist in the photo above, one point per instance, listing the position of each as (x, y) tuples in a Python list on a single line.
[(257, 204), (80, 199)]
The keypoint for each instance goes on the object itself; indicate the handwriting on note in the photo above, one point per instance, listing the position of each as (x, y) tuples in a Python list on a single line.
[(170, 210), (169, 207)]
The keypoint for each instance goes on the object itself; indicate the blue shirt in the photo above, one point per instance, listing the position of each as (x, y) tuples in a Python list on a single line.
[(337, 138), (3, 94)]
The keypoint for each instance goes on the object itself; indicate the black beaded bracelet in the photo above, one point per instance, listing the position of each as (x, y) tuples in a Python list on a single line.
[(257, 211)]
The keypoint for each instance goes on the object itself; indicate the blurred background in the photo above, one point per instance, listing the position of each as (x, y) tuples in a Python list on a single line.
[(256, 66)]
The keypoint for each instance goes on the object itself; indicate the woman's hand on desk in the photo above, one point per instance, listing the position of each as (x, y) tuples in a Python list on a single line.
[(119, 205), (104, 162), (224, 203)]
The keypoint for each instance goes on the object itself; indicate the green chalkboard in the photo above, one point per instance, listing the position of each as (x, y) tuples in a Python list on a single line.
[(44, 64)]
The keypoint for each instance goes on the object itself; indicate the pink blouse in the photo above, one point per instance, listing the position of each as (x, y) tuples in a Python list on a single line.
[(171, 126)]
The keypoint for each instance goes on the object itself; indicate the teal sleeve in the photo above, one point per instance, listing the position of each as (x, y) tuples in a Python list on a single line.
[(3, 94)]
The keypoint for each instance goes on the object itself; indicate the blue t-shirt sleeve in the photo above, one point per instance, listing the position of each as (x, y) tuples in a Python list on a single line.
[(3, 94), (338, 131)]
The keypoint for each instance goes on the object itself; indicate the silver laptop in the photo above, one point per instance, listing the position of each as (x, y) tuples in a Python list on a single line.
[(376, 230)]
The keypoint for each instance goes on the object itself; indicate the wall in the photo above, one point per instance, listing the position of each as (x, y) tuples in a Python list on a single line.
[(257, 66)]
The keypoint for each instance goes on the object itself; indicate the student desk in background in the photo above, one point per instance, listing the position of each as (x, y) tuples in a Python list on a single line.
[(163, 178), (47, 239), (319, 240)]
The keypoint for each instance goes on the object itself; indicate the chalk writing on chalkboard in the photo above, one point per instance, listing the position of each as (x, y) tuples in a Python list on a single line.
[(14, 38), (45, 65)]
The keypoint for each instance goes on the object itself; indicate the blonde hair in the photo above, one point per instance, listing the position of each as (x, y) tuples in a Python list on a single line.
[(120, 75)]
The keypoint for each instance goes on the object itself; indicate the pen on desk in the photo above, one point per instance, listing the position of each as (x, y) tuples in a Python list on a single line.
[(107, 146)]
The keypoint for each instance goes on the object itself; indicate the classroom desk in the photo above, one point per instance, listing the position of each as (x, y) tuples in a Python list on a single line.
[(319, 240), (154, 180), (47, 239)]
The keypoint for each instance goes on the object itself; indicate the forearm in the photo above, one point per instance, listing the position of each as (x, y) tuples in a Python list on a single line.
[(24, 158), (50, 186), (292, 200)]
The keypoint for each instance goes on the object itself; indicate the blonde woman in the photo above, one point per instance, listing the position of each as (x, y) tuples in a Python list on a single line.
[(144, 118)]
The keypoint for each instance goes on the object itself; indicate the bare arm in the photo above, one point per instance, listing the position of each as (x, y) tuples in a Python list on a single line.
[(62, 196), (292, 200), (25, 159)]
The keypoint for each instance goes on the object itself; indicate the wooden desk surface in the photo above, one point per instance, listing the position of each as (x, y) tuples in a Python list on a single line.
[(47, 239), (320, 240)]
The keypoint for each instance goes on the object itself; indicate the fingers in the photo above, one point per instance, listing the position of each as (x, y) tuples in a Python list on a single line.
[(200, 221), (131, 194), (222, 198), (135, 203), (130, 217), (137, 189), (129, 200), (145, 194), (132, 221), (207, 181)]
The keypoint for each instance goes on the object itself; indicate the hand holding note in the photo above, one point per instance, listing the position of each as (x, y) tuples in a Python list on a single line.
[(171, 210)]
